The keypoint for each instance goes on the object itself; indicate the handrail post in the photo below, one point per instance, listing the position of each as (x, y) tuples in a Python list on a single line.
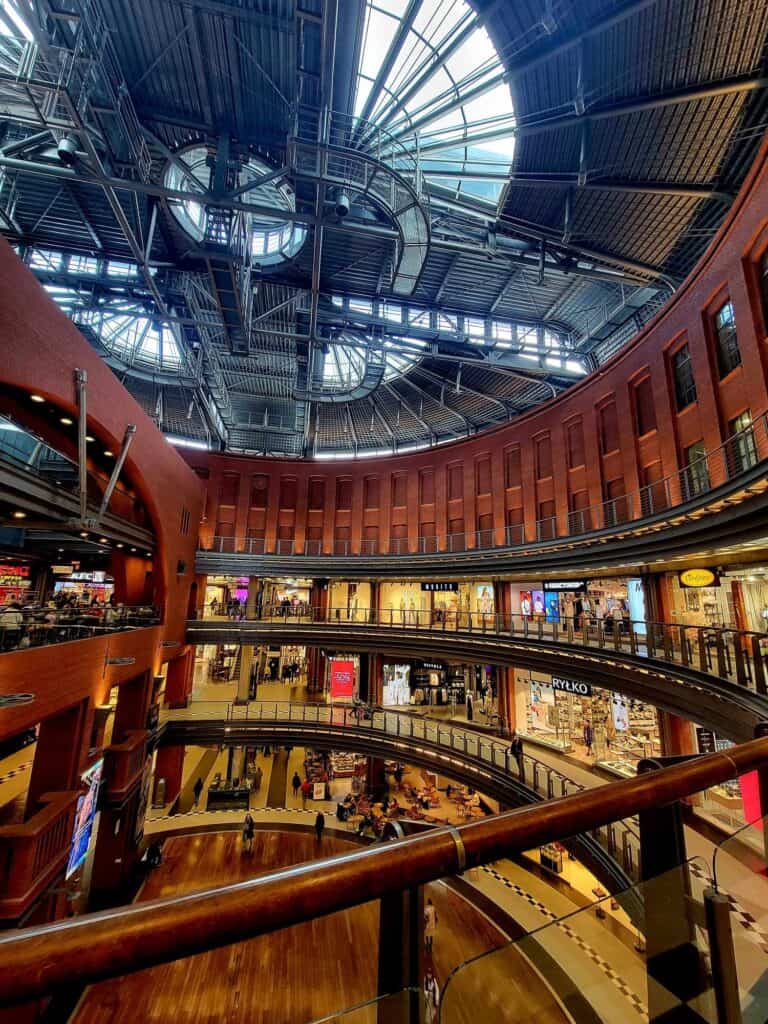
[(725, 975), (759, 664)]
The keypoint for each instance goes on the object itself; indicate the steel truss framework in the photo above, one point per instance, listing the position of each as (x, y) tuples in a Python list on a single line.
[(424, 154)]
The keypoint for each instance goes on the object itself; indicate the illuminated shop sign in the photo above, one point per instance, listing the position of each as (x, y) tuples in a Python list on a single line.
[(571, 686), (14, 575), (699, 578), (440, 587), (567, 586)]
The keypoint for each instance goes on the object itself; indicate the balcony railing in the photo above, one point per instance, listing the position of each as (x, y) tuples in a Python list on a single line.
[(620, 839), (740, 656), (80, 624), (735, 457), (124, 762), (676, 915), (32, 854)]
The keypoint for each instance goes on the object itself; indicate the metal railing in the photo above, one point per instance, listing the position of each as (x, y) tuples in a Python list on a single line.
[(34, 632), (620, 839), (736, 456), (740, 656)]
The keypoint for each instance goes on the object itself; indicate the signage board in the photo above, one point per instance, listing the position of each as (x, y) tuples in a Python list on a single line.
[(318, 791), (699, 578), (705, 740), (566, 586), (62, 570), (342, 679), (440, 586), (571, 686)]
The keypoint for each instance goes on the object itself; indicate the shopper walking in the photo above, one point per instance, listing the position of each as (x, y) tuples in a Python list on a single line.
[(197, 789), (296, 784), (248, 831), (305, 788), (470, 708), (430, 925), (319, 825)]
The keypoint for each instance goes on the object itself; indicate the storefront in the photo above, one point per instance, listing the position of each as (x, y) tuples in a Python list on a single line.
[(85, 586), (574, 602), (15, 584), (350, 602), (342, 677), (425, 684), (731, 600), (601, 728), (437, 602)]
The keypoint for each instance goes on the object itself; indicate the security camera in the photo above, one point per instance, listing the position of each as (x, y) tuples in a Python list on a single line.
[(342, 204), (67, 150)]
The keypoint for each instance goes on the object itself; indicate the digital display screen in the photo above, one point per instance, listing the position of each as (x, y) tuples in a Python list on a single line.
[(84, 816)]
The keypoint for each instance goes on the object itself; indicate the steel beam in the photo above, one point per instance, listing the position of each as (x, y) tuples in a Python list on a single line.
[(130, 431), (81, 385)]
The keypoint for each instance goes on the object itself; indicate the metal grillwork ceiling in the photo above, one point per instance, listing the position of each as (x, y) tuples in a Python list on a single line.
[(501, 197)]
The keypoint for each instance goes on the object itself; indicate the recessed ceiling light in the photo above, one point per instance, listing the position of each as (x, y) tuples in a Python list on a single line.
[(103, 540), (19, 515), (66, 421), (149, 554), (109, 454), (133, 549), (60, 550), (89, 438), (83, 534), (37, 398), (119, 545)]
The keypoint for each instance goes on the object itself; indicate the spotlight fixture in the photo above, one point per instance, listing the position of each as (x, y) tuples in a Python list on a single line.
[(119, 545), (37, 398), (103, 540), (83, 534), (19, 515), (149, 554), (89, 438), (133, 549), (66, 421), (109, 454)]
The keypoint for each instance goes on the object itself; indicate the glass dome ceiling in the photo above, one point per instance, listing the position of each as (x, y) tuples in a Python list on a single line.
[(346, 360), (273, 240), (443, 94)]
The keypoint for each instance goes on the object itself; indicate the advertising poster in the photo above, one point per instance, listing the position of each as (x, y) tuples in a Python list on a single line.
[(538, 602), (526, 603), (342, 679), (84, 816), (552, 603), (620, 713), (397, 689), (542, 699), (484, 599)]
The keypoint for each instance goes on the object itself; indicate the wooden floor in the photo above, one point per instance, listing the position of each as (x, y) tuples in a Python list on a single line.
[(306, 972)]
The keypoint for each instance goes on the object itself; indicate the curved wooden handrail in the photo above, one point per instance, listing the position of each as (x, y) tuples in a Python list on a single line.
[(39, 961)]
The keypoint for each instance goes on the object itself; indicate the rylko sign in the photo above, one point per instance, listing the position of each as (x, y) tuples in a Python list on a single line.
[(571, 686)]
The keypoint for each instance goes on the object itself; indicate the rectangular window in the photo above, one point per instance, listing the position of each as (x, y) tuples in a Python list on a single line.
[(288, 490), (426, 487), (615, 506), (609, 428), (371, 492), (645, 410), (682, 372), (741, 453), (474, 328), (259, 486), (360, 306), (229, 488), (316, 498), (543, 458), (483, 476), (574, 434), (44, 259), (512, 468), (545, 521), (728, 354), (695, 475), (399, 490), (343, 494), (455, 482), (83, 265)]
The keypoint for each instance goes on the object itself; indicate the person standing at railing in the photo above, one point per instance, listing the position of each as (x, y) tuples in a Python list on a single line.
[(516, 751)]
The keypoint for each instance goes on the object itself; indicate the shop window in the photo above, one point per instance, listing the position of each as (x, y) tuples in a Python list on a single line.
[(574, 436), (682, 373), (399, 490), (343, 494), (645, 410), (371, 492), (483, 475), (695, 475), (609, 428), (741, 453), (455, 482), (543, 457), (259, 490), (512, 467), (615, 506), (726, 341), (316, 496), (426, 487), (288, 490)]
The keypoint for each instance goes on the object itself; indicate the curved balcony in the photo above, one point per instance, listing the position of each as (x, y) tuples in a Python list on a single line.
[(686, 510), (470, 757), (715, 677)]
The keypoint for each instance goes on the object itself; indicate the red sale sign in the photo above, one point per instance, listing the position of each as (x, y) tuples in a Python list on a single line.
[(342, 680)]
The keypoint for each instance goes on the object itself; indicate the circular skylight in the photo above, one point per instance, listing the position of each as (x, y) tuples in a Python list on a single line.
[(273, 240), (346, 359)]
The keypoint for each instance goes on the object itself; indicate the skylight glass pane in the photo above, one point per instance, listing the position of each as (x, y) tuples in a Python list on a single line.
[(83, 264)]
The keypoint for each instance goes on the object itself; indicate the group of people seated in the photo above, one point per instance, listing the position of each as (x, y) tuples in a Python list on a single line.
[(60, 617)]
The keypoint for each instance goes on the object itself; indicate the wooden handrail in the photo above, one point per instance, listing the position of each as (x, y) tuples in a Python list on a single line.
[(39, 961)]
